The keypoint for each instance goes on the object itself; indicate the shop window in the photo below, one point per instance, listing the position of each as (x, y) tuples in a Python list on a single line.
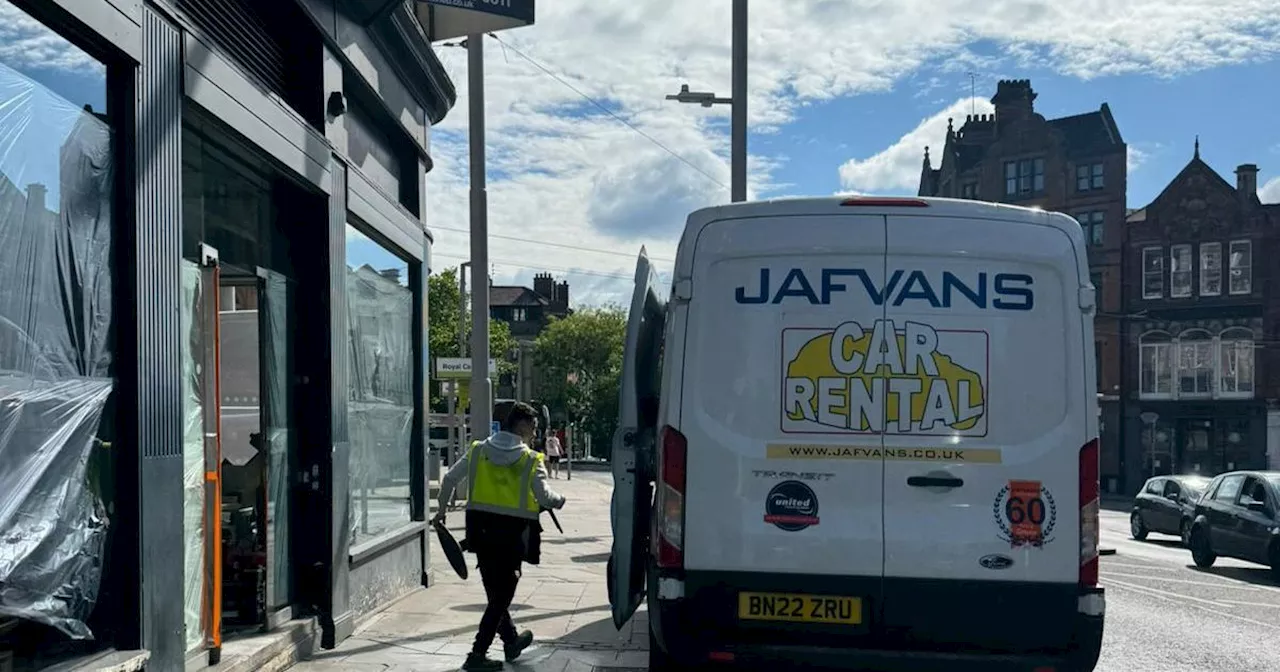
[(1152, 273), (1241, 266), (1204, 366), (57, 179), (380, 402), (1180, 271), (1210, 269)]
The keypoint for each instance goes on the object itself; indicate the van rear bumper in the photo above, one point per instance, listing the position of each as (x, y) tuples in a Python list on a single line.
[(702, 626)]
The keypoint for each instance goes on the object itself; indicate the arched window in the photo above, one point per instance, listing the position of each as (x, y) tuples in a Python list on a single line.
[(1155, 364), (1195, 363), (1235, 363)]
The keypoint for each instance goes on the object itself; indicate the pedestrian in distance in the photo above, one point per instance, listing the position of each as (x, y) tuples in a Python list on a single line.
[(554, 452), (507, 490)]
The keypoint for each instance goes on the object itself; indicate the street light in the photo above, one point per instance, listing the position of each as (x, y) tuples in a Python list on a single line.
[(738, 101)]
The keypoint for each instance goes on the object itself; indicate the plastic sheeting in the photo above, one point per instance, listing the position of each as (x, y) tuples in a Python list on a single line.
[(380, 406), (55, 314), (193, 484)]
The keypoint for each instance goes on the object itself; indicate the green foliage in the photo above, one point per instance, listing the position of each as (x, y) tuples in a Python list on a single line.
[(580, 363), (443, 298)]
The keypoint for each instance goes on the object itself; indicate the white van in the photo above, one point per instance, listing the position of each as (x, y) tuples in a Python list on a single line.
[(851, 437)]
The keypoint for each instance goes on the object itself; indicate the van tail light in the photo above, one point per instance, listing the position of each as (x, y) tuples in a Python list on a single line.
[(668, 533), (1089, 491)]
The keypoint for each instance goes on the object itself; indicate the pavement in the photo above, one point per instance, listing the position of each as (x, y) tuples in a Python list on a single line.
[(563, 601), (1163, 613)]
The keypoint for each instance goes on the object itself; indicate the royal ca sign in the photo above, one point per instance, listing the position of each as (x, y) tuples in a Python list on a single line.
[(459, 368)]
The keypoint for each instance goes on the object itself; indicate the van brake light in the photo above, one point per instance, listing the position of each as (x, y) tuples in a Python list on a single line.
[(668, 533), (1089, 504), (884, 202)]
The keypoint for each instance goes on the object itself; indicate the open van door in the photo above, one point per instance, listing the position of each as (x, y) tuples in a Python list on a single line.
[(633, 444)]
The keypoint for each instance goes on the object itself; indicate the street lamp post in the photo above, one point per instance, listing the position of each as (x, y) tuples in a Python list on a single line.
[(738, 103)]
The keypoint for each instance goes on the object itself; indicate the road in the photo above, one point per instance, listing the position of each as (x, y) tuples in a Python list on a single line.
[(1165, 614)]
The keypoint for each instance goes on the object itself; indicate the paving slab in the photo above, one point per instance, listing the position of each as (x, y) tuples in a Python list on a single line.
[(563, 601)]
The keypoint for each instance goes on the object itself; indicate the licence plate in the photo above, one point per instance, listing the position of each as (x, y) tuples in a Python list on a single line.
[(794, 608)]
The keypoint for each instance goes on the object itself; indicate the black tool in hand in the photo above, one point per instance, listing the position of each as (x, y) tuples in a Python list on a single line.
[(555, 520)]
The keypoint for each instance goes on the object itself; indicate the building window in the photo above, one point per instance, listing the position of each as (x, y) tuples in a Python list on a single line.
[(1092, 223), (969, 190), (1155, 365), (1024, 178), (380, 401), (1203, 366), (1089, 177), (1210, 269), (1152, 273), (1180, 271), (1241, 267), (1235, 373), (1195, 364)]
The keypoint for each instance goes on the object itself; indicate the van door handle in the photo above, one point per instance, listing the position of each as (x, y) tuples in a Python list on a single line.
[(934, 482)]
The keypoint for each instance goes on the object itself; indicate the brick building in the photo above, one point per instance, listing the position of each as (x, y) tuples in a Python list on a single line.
[(1075, 165), (1200, 315), (527, 312)]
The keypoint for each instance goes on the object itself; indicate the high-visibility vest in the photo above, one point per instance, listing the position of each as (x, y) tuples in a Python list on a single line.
[(503, 488)]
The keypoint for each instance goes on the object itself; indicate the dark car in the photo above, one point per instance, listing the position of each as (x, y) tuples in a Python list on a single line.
[(1239, 517), (1166, 505)]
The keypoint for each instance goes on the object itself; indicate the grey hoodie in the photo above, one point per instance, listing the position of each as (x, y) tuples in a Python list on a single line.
[(501, 448)]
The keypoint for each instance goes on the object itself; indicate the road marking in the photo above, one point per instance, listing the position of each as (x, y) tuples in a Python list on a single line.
[(1144, 567), (1175, 597), (1227, 583), (1250, 604)]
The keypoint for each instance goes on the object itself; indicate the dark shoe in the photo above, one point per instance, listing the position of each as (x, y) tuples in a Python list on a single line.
[(479, 662), (513, 649)]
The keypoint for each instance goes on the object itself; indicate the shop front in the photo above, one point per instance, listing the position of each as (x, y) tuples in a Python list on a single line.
[(1203, 438), (212, 325)]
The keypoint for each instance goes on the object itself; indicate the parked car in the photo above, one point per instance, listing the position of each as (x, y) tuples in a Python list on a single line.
[(1166, 505), (1239, 517)]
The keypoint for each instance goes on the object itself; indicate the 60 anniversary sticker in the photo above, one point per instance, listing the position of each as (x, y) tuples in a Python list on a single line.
[(1025, 513)]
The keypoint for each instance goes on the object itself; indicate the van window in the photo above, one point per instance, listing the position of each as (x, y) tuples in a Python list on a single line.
[(1230, 488)]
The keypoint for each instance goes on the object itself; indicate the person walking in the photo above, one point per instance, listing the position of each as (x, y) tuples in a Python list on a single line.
[(555, 452), (507, 490)]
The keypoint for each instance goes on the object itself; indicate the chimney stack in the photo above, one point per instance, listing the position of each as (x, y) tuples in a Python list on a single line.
[(392, 274), (1247, 180)]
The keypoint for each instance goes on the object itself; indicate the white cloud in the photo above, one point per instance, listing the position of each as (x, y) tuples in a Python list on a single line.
[(1270, 192), (897, 168), (27, 43), (1136, 158)]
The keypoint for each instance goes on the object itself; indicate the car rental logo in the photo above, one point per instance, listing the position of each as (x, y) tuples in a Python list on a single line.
[(925, 381)]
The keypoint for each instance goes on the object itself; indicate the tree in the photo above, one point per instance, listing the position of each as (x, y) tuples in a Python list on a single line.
[(580, 362), (443, 310)]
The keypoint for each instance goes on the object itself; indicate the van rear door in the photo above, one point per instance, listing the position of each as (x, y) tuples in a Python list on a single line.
[(633, 444), (984, 427), (784, 481)]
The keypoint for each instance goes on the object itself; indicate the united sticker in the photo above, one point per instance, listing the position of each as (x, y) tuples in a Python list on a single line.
[(1025, 514), (791, 506), (903, 378)]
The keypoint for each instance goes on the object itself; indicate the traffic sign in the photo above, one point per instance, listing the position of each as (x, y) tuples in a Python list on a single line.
[(460, 368)]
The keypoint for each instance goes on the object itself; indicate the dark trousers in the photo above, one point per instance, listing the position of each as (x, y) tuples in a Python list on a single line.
[(500, 573)]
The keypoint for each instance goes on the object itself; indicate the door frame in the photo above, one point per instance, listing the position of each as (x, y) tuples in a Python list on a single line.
[(275, 616)]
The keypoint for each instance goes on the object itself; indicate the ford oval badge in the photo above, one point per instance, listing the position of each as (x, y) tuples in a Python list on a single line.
[(996, 561)]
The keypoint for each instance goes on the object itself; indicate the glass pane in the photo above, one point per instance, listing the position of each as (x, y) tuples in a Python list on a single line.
[(193, 483), (277, 372), (56, 186), (380, 401)]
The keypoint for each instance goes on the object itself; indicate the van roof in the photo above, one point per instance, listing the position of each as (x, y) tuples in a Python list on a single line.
[(792, 206)]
